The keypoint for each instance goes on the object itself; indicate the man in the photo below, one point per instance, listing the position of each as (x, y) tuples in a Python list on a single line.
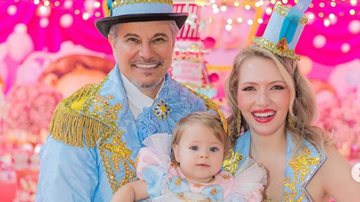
[(96, 133)]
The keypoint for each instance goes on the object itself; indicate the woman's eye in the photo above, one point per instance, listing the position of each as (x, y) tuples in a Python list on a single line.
[(277, 87), (194, 148), (250, 88), (214, 149)]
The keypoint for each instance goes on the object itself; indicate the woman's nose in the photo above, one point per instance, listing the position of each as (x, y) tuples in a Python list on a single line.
[(263, 98)]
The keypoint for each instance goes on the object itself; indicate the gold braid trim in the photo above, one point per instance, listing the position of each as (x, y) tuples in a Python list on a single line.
[(272, 47), (118, 3), (212, 105), (71, 123)]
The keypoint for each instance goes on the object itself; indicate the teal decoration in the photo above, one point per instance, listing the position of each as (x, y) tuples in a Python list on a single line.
[(109, 3), (292, 20)]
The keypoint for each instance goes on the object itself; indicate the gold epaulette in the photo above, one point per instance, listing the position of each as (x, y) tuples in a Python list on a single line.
[(72, 123)]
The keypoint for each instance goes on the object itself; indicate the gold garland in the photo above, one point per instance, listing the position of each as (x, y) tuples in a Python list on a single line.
[(274, 48)]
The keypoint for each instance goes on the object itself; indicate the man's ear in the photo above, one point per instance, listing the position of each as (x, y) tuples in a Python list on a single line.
[(111, 40)]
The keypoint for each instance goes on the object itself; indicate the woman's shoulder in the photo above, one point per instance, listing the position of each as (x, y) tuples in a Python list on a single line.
[(335, 176), (334, 161)]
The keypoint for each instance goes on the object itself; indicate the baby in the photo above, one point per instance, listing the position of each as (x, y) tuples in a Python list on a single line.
[(188, 166)]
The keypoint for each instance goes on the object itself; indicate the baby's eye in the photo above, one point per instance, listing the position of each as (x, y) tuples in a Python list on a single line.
[(214, 149), (194, 148)]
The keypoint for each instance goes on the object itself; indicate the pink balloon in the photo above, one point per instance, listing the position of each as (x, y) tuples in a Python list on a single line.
[(209, 42), (20, 36), (213, 77)]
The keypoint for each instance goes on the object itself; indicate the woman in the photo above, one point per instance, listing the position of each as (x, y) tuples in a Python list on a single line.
[(273, 104)]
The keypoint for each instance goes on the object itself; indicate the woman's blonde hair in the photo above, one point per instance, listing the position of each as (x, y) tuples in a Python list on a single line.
[(302, 107), (208, 119)]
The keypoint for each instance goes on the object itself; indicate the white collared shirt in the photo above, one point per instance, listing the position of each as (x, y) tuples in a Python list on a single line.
[(137, 99)]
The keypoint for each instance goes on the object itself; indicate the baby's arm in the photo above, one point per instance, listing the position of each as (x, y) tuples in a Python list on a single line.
[(133, 191)]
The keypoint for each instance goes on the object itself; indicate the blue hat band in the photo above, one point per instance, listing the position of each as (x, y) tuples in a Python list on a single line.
[(141, 8)]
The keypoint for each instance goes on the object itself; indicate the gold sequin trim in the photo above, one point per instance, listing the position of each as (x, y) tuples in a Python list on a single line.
[(301, 168), (283, 10), (268, 45), (213, 191), (119, 155), (178, 182), (230, 164), (115, 153), (226, 177), (182, 197)]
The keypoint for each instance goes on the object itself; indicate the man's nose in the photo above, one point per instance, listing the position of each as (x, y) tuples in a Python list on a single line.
[(146, 51)]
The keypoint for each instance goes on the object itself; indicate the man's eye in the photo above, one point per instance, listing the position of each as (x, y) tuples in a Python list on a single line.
[(159, 40), (194, 148), (214, 149), (134, 40)]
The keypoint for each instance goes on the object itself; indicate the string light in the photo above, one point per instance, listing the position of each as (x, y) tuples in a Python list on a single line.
[(223, 8), (228, 27), (97, 4), (11, 10), (85, 16), (345, 47), (46, 3), (326, 22), (77, 12), (353, 2), (45, 6)]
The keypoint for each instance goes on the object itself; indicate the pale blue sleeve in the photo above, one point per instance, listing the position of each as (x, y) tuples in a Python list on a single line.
[(67, 173), (154, 178)]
